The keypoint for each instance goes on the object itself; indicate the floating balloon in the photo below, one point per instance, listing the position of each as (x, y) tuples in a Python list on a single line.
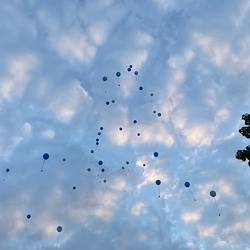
[(113, 101), (7, 170), (89, 169), (127, 162), (45, 156), (99, 133), (104, 181), (129, 69), (74, 187), (100, 162), (156, 154), (159, 114), (28, 216), (103, 170), (187, 185), (118, 74), (59, 229), (105, 78), (64, 159), (120, 129), (136, 73), (131, 66), (212, 193), (101, 128), (107, 103), (135, 121), (138, 134), (151, 94), (158, 182), (92, 151), (140, 88)]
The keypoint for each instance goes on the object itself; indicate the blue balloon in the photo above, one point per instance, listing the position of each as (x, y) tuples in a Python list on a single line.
[(103, 170), (156, 154), (105, 78), (187, 184), (64, 159), (74, 187), (100, 162), (136, 73), (127, 162), (212, 193), (59, 229), (140, 88), (118, 74), (158, 182), (7, 170), (130, 66), (129, 69), (45, 156), (135, 121), (89, 169), (159, 114), (28, 216)]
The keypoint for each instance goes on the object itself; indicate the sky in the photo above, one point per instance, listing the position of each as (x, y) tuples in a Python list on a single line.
[(185, 102)]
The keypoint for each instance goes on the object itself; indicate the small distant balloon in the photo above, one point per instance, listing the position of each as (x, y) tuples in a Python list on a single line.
[(158, 182), (151, 94), (99, 133), (45, 156), (89, 169), (130, 66), (120, 129), (212, 193), (100, 162), (105, 78), (156, 154), (7, 170), (59, 229), (136, 73), (103, 170), (123, 167), (28, 216), (92, 151), (159, 114), (140, 88), (187, 184), (101, 128), (107, 103), (74, 187), (138, 134), (64, 159), (135, 121), (104, 181), (127, 162), (113, 101), (154, 111), (118, 74), (129, 69)]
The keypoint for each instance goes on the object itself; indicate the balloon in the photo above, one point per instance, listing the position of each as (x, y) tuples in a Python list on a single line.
[(136, 73), (107, 103), (158, 182), (120, 129), (129, 69), (104, 181), (118, 74), (74, 187), (92, 151), (101, 128), (64, 159), (97, 143), (187, 184), (59, 229), (154, 111), (134, 121), (123, 167), (113, 101), (105, 78), (159, 114), (156, 154), (7, 170), (99, 133), (127, 162), (140, 88), (103, 170), (45, 156), (28, 216), (97, 139), (100, 162), (151, 94), (131, 66), (89, 169), (212, 193), (138, 134)]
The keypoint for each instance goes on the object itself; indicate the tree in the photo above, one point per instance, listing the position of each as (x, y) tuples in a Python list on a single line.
[(245, 131)]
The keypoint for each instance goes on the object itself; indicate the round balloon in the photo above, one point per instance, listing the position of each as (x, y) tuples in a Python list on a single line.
[(105, 78), (118, 74), (156, 154), (158, 182), (212, 193), (45, 156), (100, 162), (28, 216), (59, 229), (187, 184)]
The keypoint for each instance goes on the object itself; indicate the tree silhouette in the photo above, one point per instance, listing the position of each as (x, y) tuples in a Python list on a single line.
[(245, 131)]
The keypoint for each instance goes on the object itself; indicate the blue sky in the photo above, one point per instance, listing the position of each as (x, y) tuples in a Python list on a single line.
[(192, 55)]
